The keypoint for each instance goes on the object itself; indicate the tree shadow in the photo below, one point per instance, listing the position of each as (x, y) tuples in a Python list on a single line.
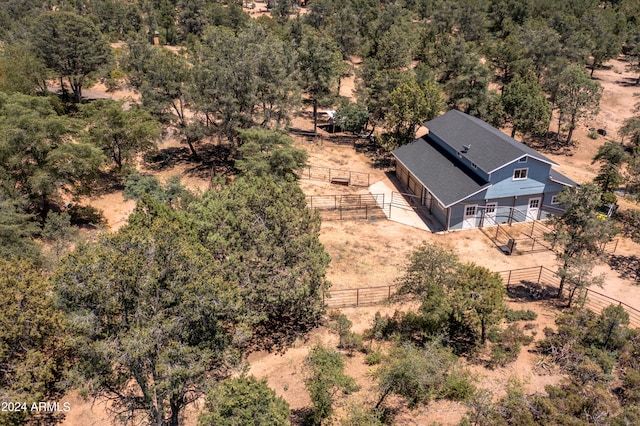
[(212, 159), (108, 182), (301, 416), (550, 144), (627, 82), (529, 291), (380, 157), (628, 267), (167, 158)]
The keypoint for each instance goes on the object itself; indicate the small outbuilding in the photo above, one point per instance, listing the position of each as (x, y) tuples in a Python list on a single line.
[(469, 174)]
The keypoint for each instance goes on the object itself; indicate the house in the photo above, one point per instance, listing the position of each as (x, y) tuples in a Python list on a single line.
[(469, 174)]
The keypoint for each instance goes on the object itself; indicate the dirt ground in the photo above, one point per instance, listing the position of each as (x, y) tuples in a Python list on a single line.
[(370, 253)]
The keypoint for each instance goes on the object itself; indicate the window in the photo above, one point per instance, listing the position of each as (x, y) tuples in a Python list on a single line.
[(470, 210), (534, 203), (519, 174), (554, 199), (490, 208), (522, 160)]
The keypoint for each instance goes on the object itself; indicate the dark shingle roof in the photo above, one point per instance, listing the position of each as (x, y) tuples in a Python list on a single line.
[(440, 172), (561, 179), (490, 149)]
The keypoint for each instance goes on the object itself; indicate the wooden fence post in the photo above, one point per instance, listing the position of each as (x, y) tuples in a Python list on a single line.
[(539, 274), (357, 296)]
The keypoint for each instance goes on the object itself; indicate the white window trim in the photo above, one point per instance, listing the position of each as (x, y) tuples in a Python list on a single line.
[(554, 199), (523, 160), (526, 175)]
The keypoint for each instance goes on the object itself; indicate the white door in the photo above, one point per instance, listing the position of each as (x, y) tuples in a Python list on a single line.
[(533, 209), (490, 214), (469, 219)]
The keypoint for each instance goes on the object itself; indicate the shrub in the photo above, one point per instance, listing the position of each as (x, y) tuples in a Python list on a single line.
[(373, 358), (324, 378), (458, 385), (241, 401), (351, 342), (358, 415), (507, 344), (417, 374), (519, 315)]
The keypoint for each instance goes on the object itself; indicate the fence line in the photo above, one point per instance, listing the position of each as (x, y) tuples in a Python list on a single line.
[(348, 206), (542, 276), (365, 296), (538, 280), (338, 176), (333, 202)]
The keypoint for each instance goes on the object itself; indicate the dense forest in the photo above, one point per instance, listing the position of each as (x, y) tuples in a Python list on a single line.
[(164, 311)]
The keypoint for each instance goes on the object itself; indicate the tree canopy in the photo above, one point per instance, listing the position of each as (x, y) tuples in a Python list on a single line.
[(71, 46), (120, 133), (461, 300), (579, 235), (34, 351), (266, 239), (37, 154), (244, 401), (147, 337)]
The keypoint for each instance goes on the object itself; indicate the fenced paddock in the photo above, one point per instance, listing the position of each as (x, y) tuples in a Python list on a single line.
[(528, 237), (519, 238), (536, 283), (335, 201), (543, 283), (348, 207), (338, 176)]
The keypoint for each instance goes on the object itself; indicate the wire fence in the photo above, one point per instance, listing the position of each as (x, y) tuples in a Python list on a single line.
[(528, 237), (335, 201), (541, 282), (536, 282), (336, 176), (355, 297), (348, 207)]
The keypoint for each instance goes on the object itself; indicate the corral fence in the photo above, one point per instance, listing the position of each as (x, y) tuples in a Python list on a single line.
[(355, 297), (536, 282), (530, 237), (336, 176), (541, 282), (347, 207)]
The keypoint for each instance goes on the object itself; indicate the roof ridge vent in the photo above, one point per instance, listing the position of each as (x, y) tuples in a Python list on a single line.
[(466, 148)]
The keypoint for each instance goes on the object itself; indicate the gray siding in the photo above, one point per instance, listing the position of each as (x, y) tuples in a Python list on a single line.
[(505, 186), (439, 212)]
